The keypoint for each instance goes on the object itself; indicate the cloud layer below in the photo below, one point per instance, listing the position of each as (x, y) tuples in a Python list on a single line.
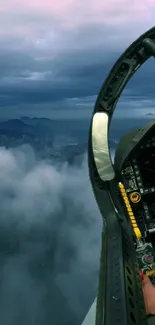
[(50, 231)]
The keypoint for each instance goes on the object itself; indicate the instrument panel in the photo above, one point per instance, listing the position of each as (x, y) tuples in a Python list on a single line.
[(138, 178)]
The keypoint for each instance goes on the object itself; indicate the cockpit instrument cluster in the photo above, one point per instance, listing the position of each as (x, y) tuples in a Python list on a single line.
[(138, 178)]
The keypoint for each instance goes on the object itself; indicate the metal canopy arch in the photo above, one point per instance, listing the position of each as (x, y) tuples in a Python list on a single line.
[(120, 299)]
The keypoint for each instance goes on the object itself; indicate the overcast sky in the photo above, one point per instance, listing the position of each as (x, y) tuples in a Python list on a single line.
[(54, 55)]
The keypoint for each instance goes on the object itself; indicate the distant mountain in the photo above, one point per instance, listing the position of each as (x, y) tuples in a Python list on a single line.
[(15, 127), (51, 139), (44, 122), (13, 124), (74, 128), (150, 114), (29, 119)]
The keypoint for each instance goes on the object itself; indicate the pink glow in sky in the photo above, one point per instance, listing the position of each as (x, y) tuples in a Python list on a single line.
[(39, 24), (75, 13)]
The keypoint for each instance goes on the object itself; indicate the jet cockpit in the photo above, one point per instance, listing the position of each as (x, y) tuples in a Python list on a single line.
[(125, 193)]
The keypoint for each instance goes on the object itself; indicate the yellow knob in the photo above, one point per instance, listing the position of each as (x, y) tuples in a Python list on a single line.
[(135, 197)]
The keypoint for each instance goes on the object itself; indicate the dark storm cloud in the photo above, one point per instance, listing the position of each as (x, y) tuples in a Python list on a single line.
[(50, 55), (26, 80), (78, 72)]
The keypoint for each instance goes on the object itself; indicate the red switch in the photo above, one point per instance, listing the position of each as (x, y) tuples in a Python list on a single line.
[(141, 275)]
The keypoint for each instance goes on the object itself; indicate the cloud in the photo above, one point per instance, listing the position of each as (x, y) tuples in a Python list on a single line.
[(50, 231), (52, 51), (111, 13)]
